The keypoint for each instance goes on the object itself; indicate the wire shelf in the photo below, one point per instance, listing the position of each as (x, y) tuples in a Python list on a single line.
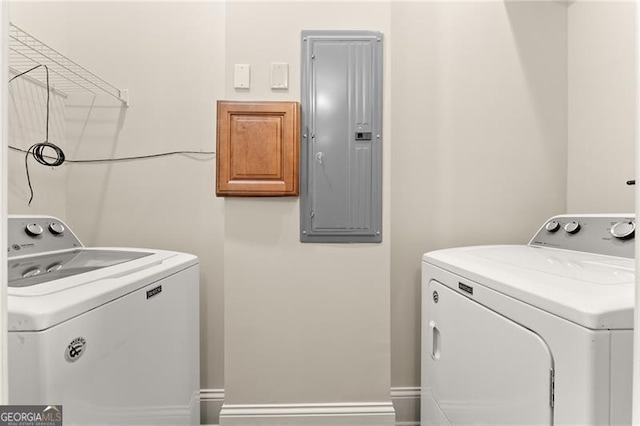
[(65, 75)]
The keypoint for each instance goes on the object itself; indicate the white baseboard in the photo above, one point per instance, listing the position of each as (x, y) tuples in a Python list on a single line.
[(212, 395), (211, 401), (405, 403), (405, 393), (357, 413)]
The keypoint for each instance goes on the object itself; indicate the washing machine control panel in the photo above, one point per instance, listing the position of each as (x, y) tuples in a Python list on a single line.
[(610, 235), (38, 234)]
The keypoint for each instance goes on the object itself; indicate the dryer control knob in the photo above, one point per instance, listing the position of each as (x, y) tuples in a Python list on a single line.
[(33, 229), (552, 226), (623, 230), (572, 227), (56, 228)]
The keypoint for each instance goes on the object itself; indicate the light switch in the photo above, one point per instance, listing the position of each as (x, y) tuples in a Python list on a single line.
[(242, 76), (279, 75)]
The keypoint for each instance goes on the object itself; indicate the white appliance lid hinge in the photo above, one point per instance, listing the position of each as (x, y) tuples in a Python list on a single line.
[(552, 387)]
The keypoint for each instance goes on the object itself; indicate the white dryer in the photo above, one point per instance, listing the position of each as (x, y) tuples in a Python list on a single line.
[(111, 334), (532, 334)]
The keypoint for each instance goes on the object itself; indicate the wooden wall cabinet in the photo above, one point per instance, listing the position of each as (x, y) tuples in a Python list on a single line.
[(257, 149)]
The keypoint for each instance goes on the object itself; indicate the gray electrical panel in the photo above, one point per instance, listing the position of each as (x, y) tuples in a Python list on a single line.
[(341, 149)]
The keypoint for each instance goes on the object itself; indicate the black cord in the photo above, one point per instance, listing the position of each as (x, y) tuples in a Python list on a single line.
[(23, 73), (135, 157), (37, 150)]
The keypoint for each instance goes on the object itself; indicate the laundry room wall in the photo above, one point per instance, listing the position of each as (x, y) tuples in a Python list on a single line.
[(171, 58), (602, 90), (475, 137), (305, 324), (479, 115)]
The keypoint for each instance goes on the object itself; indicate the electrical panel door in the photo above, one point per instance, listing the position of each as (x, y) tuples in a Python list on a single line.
[(341, 161)]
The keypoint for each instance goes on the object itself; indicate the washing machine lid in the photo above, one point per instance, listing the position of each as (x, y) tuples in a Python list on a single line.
[(591, 290), (86, 279)]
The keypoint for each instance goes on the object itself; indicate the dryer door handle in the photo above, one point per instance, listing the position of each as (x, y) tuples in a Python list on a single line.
[(435, 340)]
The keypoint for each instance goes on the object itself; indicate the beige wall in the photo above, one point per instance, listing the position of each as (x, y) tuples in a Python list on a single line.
[(303, 322), (601, 96), (479, 138)]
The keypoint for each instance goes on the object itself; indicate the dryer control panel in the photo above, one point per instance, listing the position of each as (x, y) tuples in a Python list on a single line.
[(611, 235), (38, 234)]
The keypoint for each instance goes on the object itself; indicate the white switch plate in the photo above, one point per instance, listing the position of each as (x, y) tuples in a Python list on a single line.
[(242, 76), (279, 75)]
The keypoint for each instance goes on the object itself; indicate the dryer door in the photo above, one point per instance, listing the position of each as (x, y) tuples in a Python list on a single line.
[(483, 368)]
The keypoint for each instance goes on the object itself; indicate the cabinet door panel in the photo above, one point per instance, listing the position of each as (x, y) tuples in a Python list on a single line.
[(257, 149)]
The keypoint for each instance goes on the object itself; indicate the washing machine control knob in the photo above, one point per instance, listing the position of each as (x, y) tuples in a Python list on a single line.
[(572, 227), (552, 226), (54, 267), (33, 229), (56, 228), (623, 230), (31, 272)]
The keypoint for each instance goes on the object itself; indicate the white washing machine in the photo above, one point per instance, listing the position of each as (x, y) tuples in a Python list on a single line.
[(532, 334), (111, 334)]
